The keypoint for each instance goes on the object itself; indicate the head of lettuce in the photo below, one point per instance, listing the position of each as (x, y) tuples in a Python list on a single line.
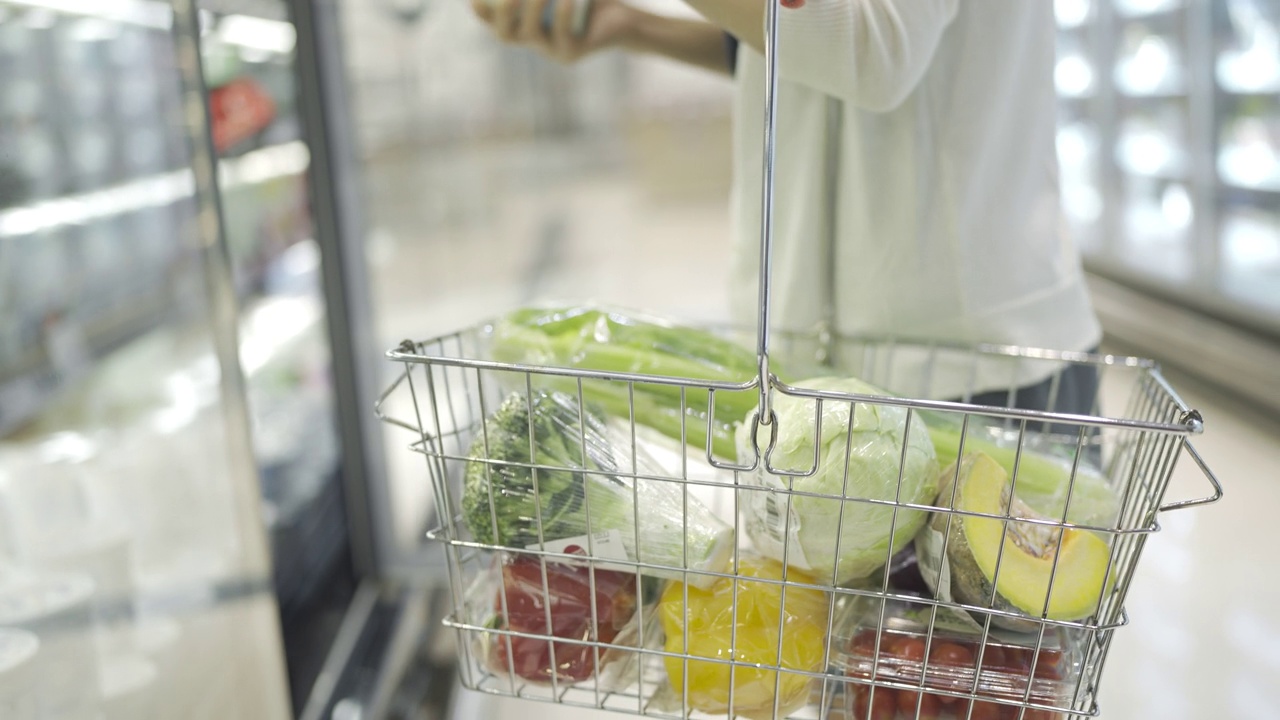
[(842, 522)]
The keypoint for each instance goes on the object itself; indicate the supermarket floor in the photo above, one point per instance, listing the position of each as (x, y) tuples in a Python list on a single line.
[(1204, 638)]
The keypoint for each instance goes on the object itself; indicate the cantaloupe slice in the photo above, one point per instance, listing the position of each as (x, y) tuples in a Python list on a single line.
[(973, 551), (1027, 562)]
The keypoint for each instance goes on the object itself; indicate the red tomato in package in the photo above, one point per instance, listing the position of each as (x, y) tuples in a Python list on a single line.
[(568, 599)]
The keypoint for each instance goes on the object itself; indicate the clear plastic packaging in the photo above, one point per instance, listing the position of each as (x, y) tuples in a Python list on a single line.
[(610, 340), (859, 456), (575, 622), (750, 619), (1011, 672), (1036, 568), (545, 474)]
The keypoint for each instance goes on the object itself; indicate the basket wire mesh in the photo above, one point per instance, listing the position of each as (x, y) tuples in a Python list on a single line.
[(451, 393)]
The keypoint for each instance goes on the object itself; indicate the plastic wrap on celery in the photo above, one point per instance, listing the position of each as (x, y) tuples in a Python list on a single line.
[(807, 530), (752, 623), (573, 494), (588, 622), (589, 338), (1044, 468)]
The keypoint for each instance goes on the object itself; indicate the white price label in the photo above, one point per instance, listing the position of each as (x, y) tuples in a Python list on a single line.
[(601, 547)]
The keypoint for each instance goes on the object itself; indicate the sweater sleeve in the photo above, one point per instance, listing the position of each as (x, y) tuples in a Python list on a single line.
[(871, 53)]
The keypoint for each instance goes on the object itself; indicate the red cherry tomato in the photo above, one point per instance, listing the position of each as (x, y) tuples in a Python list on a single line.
[(864, 645), (951, 655), (995, 659), (883, 705), (1049, 666), (1019, 658), (928, 704), (856, 702), (858, 706), (909, 649), (983, 711)]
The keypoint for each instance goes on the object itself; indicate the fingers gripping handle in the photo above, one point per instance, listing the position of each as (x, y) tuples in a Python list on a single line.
[(581, 12)]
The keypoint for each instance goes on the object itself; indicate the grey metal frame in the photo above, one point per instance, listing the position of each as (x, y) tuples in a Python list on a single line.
[(216, 262), (333, 181)]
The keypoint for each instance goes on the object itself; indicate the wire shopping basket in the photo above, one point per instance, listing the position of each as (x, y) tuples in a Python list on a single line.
[(839, 552), (533, 624)]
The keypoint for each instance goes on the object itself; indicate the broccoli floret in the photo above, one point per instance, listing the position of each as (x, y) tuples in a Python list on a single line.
[(580, 490), (500, 469)]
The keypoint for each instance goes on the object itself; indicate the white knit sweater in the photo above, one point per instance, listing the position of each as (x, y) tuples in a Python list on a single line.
[(944, 212)]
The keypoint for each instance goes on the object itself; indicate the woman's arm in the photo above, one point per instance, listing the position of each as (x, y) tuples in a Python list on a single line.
[(695, 42), (611, 24), (869, 52)]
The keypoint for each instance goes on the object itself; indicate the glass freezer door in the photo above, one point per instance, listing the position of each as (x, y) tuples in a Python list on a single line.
[(135, 579), (251, 58)]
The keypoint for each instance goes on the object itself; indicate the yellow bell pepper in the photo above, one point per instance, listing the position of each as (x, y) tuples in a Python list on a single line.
[(795, 644)]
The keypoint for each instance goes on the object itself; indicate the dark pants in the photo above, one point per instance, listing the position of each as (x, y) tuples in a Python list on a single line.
[(1077, 394)]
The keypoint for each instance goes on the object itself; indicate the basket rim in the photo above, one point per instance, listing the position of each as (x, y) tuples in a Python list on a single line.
[(1190, 422)]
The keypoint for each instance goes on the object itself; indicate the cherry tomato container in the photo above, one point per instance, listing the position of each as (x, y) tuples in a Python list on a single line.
[(915, 659)]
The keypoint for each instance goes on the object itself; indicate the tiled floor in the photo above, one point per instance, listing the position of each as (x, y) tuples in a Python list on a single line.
[(1204, 642)]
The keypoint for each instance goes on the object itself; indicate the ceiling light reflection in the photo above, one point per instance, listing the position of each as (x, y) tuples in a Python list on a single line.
[(1072, 13), (257, 33), (1176, 205), (1150, 69), (1073, 76)]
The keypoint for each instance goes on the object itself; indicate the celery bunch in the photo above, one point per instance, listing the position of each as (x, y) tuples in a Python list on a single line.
[(588, 338)]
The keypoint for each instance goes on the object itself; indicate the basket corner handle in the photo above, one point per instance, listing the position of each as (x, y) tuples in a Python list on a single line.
[(1213, 480), (379, 409)]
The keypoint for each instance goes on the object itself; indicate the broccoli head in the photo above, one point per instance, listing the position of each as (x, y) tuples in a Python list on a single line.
[(547, 429)]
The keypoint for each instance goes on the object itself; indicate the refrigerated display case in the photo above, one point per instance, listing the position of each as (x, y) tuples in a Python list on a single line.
[(133, 549), (1171, 108), (189, 476), (284, 337)]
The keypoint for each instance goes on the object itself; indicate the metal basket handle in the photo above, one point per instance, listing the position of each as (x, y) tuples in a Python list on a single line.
[(1213, 480), (764, 377)]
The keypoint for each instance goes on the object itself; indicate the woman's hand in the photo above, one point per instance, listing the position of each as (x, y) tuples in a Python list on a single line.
[(519, 22)]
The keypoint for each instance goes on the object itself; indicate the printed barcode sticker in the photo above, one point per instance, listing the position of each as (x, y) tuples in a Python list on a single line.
[(773, 534)]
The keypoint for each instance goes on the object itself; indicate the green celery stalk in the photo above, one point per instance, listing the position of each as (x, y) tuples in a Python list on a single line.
[(591, 339), (1042, 481)]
